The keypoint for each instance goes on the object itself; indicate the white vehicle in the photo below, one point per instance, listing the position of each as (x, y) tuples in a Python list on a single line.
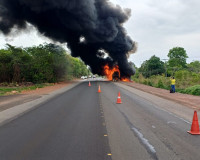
[(83, 77)]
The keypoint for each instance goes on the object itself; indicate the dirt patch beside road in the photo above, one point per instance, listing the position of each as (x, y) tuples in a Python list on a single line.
[(9, 101), (47, 89), (185, 99)]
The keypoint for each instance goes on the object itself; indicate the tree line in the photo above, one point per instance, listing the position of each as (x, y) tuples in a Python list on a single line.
[(39, 64), (156, 73), (176, 62)]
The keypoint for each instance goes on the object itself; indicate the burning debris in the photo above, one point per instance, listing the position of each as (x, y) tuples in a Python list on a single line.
[(86, 25), (113, 73)]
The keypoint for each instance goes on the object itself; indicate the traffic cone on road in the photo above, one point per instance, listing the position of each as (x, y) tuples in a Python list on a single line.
[(89, 84), (99, 89), (119, 101), (195, 125)]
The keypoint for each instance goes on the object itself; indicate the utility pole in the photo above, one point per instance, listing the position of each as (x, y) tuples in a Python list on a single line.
[(165, 60)]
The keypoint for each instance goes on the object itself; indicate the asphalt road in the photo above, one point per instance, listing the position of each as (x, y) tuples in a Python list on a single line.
[(68, 127), (74, 125)]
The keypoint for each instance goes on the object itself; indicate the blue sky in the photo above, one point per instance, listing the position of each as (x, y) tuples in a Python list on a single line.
[(156, 25)]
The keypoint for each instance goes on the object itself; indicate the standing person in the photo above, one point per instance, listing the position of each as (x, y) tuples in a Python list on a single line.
[(173, 81)]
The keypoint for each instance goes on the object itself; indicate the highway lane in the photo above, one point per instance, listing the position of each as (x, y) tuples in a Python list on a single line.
[(140, 129), (68, 127), (72, 127)]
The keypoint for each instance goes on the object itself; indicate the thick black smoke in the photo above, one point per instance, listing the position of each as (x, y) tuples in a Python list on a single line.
[(98, 21)]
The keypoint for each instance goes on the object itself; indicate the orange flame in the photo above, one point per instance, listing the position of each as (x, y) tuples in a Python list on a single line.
[(125, 79), (109, 71)]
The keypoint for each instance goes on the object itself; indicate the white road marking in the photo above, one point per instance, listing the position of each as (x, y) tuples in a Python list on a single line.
[(153, 126), (153, 105), (174, 115), (171, 122), (144, 140)]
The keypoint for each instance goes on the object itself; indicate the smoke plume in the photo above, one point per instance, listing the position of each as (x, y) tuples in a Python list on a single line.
[(87, 26)]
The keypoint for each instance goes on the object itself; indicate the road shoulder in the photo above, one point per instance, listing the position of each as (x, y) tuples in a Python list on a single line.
[(184, 99), (15, 111), (172, 107)]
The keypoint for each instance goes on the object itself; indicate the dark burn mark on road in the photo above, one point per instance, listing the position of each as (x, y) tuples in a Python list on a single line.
[(88, 26)]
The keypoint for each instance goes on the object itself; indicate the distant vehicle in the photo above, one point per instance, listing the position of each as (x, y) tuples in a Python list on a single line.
[(83, 77), (90, 76), (93, 76)]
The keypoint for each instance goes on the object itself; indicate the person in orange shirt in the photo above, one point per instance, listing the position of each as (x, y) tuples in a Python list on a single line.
[(173, 82)]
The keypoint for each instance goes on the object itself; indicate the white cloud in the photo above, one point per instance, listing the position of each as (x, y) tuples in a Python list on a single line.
[(159, 25), (25, 38)]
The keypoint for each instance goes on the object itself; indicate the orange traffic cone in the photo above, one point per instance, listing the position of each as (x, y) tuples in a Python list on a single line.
[(195, 125), (99, 89), (89, 84), (119, 99)]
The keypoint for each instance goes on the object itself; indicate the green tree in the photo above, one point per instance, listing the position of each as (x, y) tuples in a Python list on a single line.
[(194, 66), (49, 63), (78, 67), (5, 66), (59, 60), (153, 66), (14, 62), (177, 58), (38, 64)]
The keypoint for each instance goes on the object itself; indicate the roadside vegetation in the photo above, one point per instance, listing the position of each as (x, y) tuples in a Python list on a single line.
[(155, 73), (37, 65), (15, 88)]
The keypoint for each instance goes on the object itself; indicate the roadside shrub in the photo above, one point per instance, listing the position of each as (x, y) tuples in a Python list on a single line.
[(145, 82), (141, 78), (195, 77), (179, 75), (182, 74), (137, 74), (150, 83), (194, 90), (160, 84)]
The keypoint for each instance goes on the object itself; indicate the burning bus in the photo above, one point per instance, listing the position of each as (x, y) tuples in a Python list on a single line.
[(113, 74)]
